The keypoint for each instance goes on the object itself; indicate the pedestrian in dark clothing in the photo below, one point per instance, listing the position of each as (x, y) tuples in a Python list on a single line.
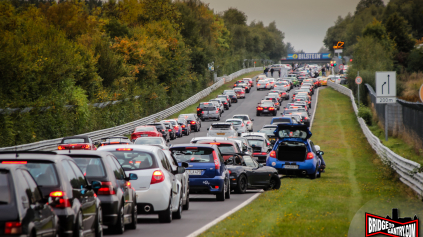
[(271, 72), (280, 73), (266, 70), (323, 71)]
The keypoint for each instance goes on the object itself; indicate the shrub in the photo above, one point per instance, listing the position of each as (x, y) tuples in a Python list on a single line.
[(365, 113)]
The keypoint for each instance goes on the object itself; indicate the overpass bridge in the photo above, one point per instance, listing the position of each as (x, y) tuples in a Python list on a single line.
[(309, 58)]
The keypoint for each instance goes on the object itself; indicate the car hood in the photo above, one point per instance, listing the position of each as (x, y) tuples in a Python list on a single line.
[(293, 127)]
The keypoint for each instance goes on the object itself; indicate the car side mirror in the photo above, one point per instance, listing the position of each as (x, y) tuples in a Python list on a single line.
[(95, 185), (252, 119), (321, 152), (181, 170), (260, 165), (133, 176), (185, 164)]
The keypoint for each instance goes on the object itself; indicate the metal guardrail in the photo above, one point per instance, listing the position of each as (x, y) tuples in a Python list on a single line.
[(407, 169), (49, 145)]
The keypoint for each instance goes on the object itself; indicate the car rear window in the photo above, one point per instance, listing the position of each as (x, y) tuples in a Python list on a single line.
[(90, 166), (287, 111), (255, 142), (209, 108), (148, 141), (226, 148), (220, 126), (268, 131), (171, 122), (44, 173), (115, 140), (168, 125), (202, 105), (292, 133), (281, 120), (266, 104), (193, 154), (145, 129), (241, 117), (234, 122), (73, 140), (5, 195), (135, 160), (187, 116)]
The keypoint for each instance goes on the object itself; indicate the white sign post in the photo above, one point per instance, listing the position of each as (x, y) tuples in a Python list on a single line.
[(386, 92)]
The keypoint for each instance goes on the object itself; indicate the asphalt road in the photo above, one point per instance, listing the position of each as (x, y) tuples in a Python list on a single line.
[(204, 208)]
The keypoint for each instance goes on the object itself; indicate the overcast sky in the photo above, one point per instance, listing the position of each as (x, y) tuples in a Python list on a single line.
[(304, 22)]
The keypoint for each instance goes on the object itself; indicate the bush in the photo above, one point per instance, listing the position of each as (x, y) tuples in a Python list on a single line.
[(365, 113)]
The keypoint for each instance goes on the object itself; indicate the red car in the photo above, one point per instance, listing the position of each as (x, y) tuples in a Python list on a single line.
[(145, 131), (76, 143)]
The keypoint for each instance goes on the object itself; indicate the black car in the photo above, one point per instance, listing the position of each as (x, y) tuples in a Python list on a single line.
[(228, 99), (118, 199), (246, 173), (186, 127), (266, 107), (23, 210), (192, 119), (114, 140), (231, 95), (260, 148), (170, 129), (62, 183), (161, 127)]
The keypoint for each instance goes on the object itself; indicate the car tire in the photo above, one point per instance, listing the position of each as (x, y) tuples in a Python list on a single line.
[(274, 114), (78, 227), (314, 175), (99, 223), (257, 114), (242, 185), (228, 190), (119, 227), (186, 206), (218, 119), (178, 213), (221, 196), (202, 119), (274, 183), (134, 217), (166, 215), (258, 89)]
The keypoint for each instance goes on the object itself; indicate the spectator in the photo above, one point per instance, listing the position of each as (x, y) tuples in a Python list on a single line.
[(271, 71), (266, 70)]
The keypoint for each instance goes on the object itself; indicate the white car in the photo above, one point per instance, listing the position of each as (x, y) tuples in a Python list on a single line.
[(282, 86), (182, 178), (196, 139), (247, 121), (222, 130), (256, 134), (336, 79), (263, 84), (157, 188), (152, 141), (261, 77), (238, 125)]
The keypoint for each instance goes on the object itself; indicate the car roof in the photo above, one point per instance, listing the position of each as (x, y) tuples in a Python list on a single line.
[(133, 146), (221, 141), (82, 152), (236, 119), (77, 136), (193, 145), (221, 123), (31, 155)]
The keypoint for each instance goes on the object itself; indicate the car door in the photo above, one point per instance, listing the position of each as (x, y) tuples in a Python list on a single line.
[(174, 182), (122, 184), (86, 197), (43, 216), (250, 169)]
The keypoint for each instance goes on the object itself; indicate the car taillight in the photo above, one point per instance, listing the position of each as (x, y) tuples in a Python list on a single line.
[(230, 172), (157, 177), (86, 147), (248, 122), (106, 189), (259, 108), (192, 122), (198, 109), (14, 162), (128, 184), (276, 103), (258, 84), (310, 155), (225, 103), (217, 111), (264, 153), (12, 227), (124, 149), (271, 108), (170, 130), (183, 126), (267, 84), (306, 118), (272, 154), (216, 161), (61, 147), (242, 125), (60, 199), (234, 84), (246, 87), (176, 127)]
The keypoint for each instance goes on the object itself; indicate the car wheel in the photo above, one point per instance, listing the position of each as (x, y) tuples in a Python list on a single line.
[(242, 185), (314, 175), (274, 183), (134, 218), (186, 206), (119, 227), (166, 215), (202, 119), (218, 119), (79, 227), (178, 213), (274, 114), (257, 114), (221, 196), (99, 224)]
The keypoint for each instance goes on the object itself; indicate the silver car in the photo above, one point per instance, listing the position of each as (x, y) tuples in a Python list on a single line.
[(210, 112), (153, 141), (219, 105), (247, 121), (238, 125), (263, 84)]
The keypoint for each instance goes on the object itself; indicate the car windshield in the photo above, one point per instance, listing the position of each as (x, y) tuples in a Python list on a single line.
[(241, 117), (194, 154), (292, 133), (187, 116), (218, 101), (273, 94), (281, 120), (234, 122), (268, 130), (209, 108), (90, 166), (262, 81), (267, 104), (135, 160), (226, 149), (287, 111), (202, 105), (270, 98), (249, 161), (237, 89), (149, 141), (73, 140), (5, 195), (44, 173), (256, 142), (183, 121)]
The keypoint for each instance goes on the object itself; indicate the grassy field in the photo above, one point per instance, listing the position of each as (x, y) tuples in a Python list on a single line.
[(214, 94), (326, 206)]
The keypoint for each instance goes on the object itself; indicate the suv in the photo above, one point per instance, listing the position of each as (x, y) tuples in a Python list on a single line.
[(118, 199), (161, 127), (207, 170), (192, 119), (170, 129), (65, 187), (294, 153)]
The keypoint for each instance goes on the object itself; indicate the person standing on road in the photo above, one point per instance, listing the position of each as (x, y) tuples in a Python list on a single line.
[(323, 71), (271, 71), (266, 70)]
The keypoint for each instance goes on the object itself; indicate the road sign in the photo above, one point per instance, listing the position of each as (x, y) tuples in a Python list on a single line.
[(338, 50), (386, 100), (386, 84), (358, 80), (421, 93), (341, 66)]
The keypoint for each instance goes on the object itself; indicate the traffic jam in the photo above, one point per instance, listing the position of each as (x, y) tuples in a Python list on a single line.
[(88, 187)]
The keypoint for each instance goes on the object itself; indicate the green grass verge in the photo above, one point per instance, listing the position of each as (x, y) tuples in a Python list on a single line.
[(213, 94), (397, 145), (326, 206)]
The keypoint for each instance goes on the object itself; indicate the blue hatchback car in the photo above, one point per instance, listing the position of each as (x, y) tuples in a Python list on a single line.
[(207, 171), (294, 153)]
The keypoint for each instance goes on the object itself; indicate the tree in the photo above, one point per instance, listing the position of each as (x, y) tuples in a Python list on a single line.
[(378, 31), (399, 32), (233, 16), (290, 48), (363, 4), (323, 50)]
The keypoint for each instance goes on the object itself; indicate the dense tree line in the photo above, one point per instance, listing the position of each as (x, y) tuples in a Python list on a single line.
[(82, 52)]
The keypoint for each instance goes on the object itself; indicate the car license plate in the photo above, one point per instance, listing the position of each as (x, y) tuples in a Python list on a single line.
[(294, 167), (194, 172), (272, 139), (221, 134), (265, 110), (144, 135)]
